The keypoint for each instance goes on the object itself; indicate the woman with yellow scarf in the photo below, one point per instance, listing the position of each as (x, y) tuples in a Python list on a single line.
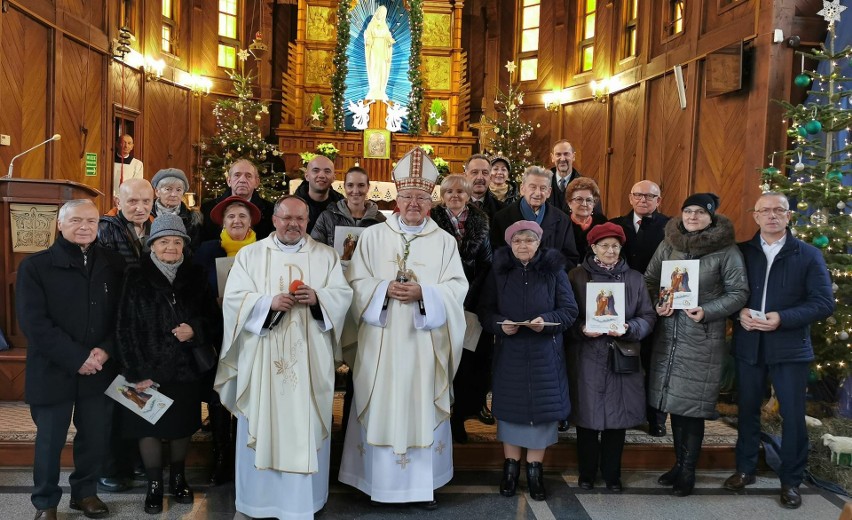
[(236, 216)]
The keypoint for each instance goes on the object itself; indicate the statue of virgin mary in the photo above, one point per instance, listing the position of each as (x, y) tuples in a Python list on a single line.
[(378, 51)]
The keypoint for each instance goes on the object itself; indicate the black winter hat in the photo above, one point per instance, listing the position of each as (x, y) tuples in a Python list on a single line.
[(708, 201)]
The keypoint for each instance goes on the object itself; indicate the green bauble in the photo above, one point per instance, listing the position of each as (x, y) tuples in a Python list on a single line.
[(834, 175), (771, 171), (813, 127), (812, 376), (802, 132), (802, 80), (820, 241), (802, 206)]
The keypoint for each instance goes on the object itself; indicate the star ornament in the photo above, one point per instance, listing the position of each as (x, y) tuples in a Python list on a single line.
[(510, 65), (831, 10), (243, 54)]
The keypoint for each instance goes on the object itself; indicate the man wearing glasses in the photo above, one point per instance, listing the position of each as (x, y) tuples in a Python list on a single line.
[(644, 228), (789, 289)]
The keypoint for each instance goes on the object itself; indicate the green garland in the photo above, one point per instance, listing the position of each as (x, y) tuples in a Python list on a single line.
[(341, 67), (415, 98)]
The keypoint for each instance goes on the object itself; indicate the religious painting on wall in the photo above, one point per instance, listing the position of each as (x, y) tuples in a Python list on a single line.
[(377, 144)]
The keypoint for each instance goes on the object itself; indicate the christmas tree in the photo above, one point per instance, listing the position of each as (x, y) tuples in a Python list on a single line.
[(511, 133), (239, 136), (819, 156)]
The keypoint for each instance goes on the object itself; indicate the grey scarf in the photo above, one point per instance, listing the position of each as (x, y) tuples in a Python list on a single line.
[(168, 270)]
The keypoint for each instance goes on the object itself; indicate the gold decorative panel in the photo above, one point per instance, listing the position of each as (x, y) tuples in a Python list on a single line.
[(436, 72), (33, 227), (321, 23), (318, 67), (436, 30)]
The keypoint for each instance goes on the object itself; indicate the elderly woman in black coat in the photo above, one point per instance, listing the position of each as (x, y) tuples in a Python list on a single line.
[(166, 311), (606, 403), (469, 225), (527, 303)]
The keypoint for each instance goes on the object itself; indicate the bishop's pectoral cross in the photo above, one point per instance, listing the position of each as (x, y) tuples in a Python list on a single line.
[(484, 127)]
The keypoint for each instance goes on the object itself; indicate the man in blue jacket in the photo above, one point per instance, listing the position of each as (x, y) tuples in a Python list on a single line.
[(790, 289)]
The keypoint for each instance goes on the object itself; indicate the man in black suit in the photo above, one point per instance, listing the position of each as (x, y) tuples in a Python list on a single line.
[(477, 170), (243, 180), (644, 228), (66, 298), (533, 205), (563, 170)]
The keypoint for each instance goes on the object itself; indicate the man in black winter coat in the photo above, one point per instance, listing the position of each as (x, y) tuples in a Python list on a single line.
[(317, 192), (243, 180), (477, 170), (644, 228), (66, 298)]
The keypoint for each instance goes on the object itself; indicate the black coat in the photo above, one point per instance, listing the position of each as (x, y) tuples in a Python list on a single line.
[(65, 309), (798, 289), (150, 308), (115, 233), (641, 246), (557, 197), (489, 204), (315, 208), (581, 235), (557, 228), (602, 399), (530, 379), (210, 230), (474, 248)]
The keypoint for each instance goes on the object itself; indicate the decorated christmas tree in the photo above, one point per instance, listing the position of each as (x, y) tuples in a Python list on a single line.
[(239, 136), (817, 165), (511, 133)]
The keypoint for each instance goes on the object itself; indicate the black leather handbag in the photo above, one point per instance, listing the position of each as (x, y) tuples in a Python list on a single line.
[(625, 357)]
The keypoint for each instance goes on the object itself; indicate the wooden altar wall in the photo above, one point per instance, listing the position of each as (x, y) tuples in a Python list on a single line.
[(310, 67)]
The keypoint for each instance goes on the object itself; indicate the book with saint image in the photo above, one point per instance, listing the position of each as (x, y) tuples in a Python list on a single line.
[(604, 307), (149, 404), (679, 283), (345, 240)]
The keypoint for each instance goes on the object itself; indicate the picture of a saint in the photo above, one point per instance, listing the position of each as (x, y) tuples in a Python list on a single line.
[(349, 246), (140, 399), (680, 280), (376, 145), (605, 304), (378, 51)]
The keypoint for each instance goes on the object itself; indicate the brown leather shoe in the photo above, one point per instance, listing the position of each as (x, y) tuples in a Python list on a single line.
[(738, 481), (91, 506), (46, 514), (790, 497)]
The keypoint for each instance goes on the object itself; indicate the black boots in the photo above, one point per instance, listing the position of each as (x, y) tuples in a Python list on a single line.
[(668, 478), (154, 497), (688, 435), (223, 445), (535, 480), (179, 489), (511, 472)]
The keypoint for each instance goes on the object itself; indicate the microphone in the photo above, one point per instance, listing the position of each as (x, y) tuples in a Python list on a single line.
[(55, 137)]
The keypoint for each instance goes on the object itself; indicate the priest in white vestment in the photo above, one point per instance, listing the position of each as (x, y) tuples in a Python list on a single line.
[(408, 286), (276, 368)]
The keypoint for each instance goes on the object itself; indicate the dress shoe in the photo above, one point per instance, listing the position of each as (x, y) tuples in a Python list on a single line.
[(586, 484), (564, 426), (112, 484), (428, 506), (485, 416), (535, 480), (790, 497), (657, 430), (91, 506), (738, 481), (46, 514), (179, 489), (139, 473), (615, 486), (154, 497)]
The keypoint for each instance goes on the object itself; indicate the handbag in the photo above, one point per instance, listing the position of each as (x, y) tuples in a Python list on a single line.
[(205, 357), (625, 357)]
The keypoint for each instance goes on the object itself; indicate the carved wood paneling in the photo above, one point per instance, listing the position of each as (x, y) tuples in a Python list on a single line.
[(23, 92), (667, 149), (584, 124), (624, 160), (166, 127)]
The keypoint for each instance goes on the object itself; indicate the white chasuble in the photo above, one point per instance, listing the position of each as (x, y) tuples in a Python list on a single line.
[(406, 359), (282, 381)]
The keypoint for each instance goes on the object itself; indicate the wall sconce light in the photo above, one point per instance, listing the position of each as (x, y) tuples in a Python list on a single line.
[(153, 69), (189, 199), (600, 89), (196, 83), (552, 101)]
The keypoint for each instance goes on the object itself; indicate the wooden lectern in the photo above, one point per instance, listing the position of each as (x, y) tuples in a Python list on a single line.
[(15, 193)]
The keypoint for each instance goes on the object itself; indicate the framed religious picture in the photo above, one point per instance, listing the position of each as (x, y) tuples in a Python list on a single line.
[(377, 144), (604, 307), (345, 241), (679, 283)]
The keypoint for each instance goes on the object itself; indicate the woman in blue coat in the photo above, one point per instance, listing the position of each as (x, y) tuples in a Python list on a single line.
[(530, 392)]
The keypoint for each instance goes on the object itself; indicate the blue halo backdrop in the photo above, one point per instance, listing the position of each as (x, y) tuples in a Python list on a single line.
[(356, 82)]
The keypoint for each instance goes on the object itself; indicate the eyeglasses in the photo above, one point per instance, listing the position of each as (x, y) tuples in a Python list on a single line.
[(697, 212), (409, 198), (765, 212), (646, 196), (527, 241), (581, 200), (610, 247)]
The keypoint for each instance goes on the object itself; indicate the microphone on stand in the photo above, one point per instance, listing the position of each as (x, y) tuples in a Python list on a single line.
[(55, 137)]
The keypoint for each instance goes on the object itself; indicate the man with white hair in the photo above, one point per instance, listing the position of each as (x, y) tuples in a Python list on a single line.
[(409, 287)]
